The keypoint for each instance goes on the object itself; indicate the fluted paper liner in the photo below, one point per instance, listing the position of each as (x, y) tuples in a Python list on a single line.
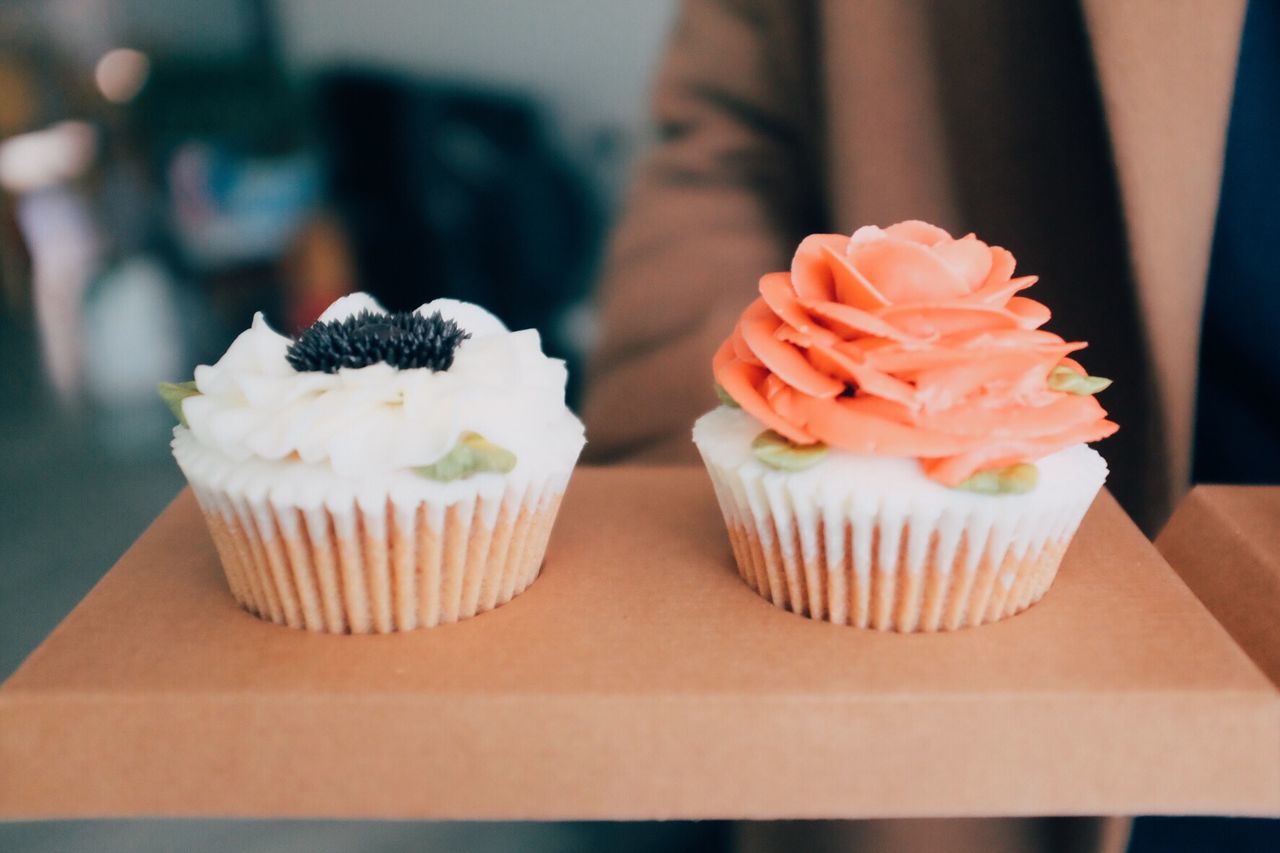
[(394, 569), (873, 564)]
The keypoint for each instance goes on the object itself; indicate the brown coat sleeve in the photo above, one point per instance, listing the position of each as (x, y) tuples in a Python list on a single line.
[(723, 197)]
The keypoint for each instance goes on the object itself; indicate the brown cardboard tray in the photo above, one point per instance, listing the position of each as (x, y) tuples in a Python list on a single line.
[(1225, 542), (638, 678)]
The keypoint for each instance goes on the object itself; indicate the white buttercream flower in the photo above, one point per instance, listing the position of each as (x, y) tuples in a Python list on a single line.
[(367, 420)]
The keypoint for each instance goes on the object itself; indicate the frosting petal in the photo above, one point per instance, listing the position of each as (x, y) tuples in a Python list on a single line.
[(905, 271), (474, 319), (350, 305)]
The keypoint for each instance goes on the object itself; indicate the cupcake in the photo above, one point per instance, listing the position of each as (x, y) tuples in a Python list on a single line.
[(382, 471), (900, 444)]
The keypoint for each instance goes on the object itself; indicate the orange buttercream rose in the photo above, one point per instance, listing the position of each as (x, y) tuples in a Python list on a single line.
[(905, 341)]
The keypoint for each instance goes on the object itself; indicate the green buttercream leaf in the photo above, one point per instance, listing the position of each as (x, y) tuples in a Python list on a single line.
[(173, 393), (1011, 480), (776, 451), (1074, 382), (473, 454), (725, 399)]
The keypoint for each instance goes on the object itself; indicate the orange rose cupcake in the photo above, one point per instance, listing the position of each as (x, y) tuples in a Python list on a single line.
[(901, 445)]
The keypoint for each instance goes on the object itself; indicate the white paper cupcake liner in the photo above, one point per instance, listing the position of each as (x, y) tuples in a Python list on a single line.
[(305, 548), (935, 598), (376, 572), (393, 570), (872, 543)]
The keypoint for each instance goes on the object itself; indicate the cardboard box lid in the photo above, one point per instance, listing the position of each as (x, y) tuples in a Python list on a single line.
[(638, 678), (1225, 542)]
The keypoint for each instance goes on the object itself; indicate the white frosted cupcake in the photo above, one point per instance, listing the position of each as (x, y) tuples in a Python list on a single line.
[(382, 472), (901, 446)]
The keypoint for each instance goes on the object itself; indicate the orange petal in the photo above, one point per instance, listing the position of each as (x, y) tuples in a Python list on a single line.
[(793, 336), (917, 232), (1014, 372), (757, 309), (969, 258), (786, 359), (887, 409), (784, 404), (907, 360), (772, 387), (953, 470), (804, 341), (779, 294), (846, 423), (1030, 314), (853, 322), (724, 354), (948, 318), (904, 271), (741, 350), (851, 286), (999, 292), (864, 376), (1074, 365), (740, 381), (1002, 266), (1007, 337), (811, 275), (978, 419)]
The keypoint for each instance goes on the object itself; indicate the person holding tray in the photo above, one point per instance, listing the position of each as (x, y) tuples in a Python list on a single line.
[(1092, 138)]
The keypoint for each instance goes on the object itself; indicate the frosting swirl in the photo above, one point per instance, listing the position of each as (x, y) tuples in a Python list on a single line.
[(376, 419), (905, 341)]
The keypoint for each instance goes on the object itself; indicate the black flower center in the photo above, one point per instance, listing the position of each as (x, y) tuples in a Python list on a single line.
[(404, 340)]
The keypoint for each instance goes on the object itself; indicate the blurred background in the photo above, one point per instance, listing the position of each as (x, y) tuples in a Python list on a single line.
[(168, 167)]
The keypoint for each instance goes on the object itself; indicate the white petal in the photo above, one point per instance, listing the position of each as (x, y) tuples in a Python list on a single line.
[(469, 316), (350, 305)]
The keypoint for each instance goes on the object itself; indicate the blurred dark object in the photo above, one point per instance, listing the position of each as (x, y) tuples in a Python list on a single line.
[(1202, 835), (15, 263), (224, 141), (16, 112), (1237, 425), (444, 191), (246, 104)]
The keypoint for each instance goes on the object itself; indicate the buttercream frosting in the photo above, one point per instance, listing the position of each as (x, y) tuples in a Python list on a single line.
[(375, 421), (907, 342)]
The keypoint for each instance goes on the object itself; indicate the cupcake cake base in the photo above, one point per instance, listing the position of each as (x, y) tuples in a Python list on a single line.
[(890, 596), (378, 572), (402, 555), (872, 542)]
